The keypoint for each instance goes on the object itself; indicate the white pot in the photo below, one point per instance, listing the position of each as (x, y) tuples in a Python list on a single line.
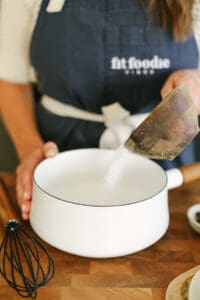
[(71, 211)]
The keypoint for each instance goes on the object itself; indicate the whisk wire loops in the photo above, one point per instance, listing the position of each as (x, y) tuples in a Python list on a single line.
[(20, 257)]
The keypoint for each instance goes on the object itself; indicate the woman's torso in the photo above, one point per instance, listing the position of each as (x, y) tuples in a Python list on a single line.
[(94, 53)]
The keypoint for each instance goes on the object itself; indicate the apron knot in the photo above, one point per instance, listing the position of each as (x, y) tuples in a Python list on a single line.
[(114, 113), (119, 125)]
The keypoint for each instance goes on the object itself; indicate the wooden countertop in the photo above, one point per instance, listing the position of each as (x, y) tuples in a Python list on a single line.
[(140, 276)]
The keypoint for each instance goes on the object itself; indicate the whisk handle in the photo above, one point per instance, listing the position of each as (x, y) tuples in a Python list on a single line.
[(7, 210)]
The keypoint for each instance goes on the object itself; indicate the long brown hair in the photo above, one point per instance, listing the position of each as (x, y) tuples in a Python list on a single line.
[(176, 15)]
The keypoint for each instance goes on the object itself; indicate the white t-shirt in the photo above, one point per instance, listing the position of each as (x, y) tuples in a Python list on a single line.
[(17, 21)]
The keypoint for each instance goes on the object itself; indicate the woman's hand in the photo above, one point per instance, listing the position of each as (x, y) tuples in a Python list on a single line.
[(191, 78), (25, 173)]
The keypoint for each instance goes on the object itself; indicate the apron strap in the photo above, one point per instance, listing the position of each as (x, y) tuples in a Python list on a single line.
[(111, 114), (118, 122), (55, 6)]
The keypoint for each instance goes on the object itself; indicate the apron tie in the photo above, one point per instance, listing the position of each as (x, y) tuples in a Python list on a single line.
[(118, 121), (65, 110)]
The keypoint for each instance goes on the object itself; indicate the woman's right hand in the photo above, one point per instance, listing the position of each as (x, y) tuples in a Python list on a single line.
[(24, 174)]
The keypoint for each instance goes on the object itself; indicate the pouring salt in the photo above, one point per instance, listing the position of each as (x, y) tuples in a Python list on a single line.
[(115, 169)]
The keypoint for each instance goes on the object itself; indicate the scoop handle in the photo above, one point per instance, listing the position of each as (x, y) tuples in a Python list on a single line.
[(190, 172), (7, 211)]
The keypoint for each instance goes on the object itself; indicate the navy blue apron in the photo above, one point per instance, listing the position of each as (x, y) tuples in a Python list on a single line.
[(94, 53)]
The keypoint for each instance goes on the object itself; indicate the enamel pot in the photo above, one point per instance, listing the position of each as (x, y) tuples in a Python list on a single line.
[(97, 203)]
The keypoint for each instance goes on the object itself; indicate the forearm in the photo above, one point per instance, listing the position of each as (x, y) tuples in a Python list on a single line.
[(17, 112)]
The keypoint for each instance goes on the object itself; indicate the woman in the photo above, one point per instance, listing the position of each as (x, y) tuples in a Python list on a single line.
[(88, 55)]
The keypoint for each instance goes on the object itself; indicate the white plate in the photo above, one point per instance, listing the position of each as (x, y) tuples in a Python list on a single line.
[(194, 289), (180, 283)]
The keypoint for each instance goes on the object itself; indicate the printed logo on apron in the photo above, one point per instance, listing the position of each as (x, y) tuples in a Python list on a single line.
[(134, 65)]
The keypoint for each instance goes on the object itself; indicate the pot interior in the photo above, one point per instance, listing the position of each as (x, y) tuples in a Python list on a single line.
[(97, 177)]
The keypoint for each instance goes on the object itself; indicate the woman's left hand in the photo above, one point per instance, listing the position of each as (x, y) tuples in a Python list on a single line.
[(191, 78)]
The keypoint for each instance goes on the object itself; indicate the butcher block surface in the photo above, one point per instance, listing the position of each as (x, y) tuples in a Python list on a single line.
[(141, 276)]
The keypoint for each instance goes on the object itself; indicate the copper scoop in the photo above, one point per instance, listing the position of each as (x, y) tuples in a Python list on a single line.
[(168, 129)]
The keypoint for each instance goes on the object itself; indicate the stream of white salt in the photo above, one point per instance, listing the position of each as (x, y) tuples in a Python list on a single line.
[(116, 169)]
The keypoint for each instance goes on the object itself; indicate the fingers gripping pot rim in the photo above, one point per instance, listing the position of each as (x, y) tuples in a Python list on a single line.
[(78, 223)]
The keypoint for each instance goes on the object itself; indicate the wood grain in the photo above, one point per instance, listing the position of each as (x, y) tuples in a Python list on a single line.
[(7, 209), (140, 276)]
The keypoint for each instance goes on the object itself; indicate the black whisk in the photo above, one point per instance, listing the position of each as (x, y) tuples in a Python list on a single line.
[(24, 262)]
